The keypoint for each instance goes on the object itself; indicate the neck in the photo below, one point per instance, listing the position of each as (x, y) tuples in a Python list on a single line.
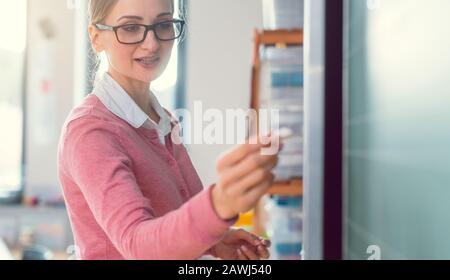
[(138, 91)]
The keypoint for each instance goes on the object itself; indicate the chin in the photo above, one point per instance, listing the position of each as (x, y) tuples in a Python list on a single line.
[(146, 77)]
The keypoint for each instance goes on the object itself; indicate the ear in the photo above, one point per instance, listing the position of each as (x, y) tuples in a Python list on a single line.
[(94, 35)]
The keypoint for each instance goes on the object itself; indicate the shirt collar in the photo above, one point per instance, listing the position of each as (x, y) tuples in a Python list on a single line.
[(115, 99)]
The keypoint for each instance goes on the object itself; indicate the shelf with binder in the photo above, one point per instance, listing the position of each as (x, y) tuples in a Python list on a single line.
[(278, 40), (290, 188)]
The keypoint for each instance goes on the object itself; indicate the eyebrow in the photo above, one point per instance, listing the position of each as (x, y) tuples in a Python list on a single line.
[(141, 18)]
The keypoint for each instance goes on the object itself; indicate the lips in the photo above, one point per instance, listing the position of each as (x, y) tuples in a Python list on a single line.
[(148, 61)]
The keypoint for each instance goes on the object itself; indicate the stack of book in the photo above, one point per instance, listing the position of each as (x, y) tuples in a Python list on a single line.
[(281, 83), (281, 89)]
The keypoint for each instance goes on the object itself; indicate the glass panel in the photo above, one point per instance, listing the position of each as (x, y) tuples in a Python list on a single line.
[(397, 153), (12, 53)]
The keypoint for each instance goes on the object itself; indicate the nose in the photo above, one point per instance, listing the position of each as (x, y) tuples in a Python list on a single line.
[(151, 43)]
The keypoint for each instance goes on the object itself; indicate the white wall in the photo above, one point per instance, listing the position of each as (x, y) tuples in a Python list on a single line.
[(219, 64), (52, 110)]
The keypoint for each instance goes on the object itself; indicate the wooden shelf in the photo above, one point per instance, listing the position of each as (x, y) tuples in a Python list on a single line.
[(280, 37), (292, 188)]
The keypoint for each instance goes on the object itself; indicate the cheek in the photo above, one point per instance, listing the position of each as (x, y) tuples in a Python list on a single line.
[(121, 56), (166, 51)]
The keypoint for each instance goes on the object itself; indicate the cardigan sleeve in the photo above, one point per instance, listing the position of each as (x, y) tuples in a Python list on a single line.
[(101, 168)]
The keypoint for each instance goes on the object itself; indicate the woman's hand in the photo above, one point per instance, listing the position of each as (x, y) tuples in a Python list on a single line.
[(244, 177), (239, 244)]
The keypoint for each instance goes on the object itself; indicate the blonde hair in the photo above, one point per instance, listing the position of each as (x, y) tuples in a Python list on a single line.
[(99, 10)]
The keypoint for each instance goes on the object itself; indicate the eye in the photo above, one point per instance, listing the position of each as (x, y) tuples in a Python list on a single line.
[(165, 25), (131, 28)]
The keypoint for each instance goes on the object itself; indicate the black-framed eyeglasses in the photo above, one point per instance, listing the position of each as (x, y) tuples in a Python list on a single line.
[(137, 33)]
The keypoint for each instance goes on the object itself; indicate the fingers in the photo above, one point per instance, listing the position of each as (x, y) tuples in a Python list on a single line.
[(254, 144), (255, 177), (241, 255), (263, 252), (249, 237), (249, 253), (251, 166), (253, 162), (266, 242), (247, 200), (257, 248), (254, 194), (253, 180), (237, 154), (242, 170)]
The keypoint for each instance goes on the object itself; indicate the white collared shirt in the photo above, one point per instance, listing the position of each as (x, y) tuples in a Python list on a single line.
[(117, 100)]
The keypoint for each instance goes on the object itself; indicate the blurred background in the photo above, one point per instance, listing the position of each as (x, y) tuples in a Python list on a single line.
[(363, 84), (46, 70)]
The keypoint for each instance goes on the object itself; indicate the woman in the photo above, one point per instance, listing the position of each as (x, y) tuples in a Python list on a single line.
[(131, 193)]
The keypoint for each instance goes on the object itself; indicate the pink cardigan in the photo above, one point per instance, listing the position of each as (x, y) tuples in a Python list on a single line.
[(127, 195)]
